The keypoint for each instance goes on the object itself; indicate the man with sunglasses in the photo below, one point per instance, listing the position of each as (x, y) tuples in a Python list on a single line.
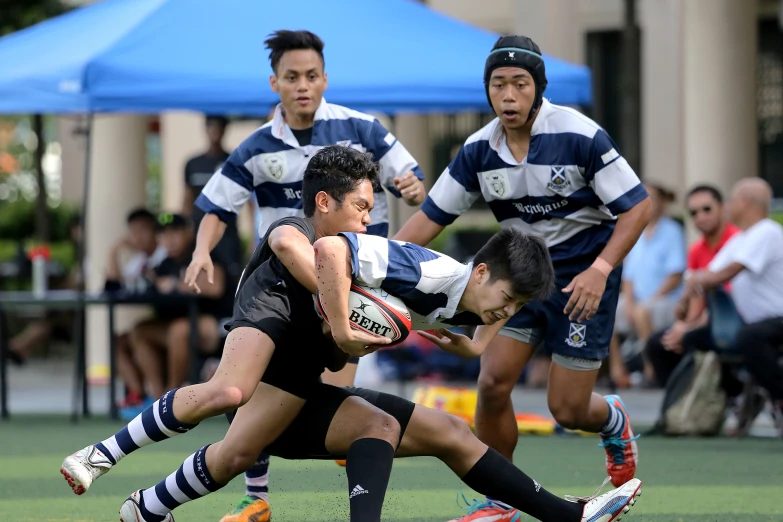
[(705, 207)]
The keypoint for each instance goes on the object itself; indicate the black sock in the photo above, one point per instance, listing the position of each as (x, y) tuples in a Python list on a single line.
[(369, 463), (495, 476)]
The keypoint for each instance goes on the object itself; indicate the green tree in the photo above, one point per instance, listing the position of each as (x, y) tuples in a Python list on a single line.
[(18, 14)]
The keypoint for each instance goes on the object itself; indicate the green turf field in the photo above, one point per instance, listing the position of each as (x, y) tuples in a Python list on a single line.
[(715, 480)]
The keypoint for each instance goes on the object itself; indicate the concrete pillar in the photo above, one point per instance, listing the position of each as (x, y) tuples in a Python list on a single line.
[(182, 135), (553, 25), (719, 51), (73, 145), (117, 185), (662, 96)]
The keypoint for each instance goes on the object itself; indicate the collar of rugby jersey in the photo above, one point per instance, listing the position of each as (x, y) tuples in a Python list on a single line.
[(497, 139), (282, 131)]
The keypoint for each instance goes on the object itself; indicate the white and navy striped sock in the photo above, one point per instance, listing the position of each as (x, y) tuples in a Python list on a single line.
[(615, 423), (191, 481), (257, 478), (154, 424)]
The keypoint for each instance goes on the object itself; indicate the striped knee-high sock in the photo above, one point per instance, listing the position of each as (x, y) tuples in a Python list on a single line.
[(191, 481), (154, 424), (257, 478)]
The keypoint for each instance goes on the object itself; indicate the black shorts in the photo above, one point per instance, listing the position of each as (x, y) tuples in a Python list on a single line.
[(273, 302), (305, 438)]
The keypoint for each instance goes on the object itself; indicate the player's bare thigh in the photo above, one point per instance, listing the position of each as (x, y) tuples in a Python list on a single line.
[(257, 424), (246, 355)]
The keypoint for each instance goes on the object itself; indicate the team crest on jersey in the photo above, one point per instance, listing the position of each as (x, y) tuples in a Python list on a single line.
[(497, 182), (577, 334), (274, 166), (559, 181)]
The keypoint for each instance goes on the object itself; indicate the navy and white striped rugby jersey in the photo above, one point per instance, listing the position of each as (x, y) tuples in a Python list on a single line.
[(568, 190), (270, 163), (430, 284)]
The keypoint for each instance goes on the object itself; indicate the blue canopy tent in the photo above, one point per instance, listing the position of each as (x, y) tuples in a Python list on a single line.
[(147, 56), (152, 55)]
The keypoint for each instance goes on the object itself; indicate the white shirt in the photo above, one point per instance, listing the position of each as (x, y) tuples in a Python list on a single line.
[(430, 284), (758, 290)]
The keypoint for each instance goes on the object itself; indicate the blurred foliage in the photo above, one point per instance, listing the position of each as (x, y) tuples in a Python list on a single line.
[(18, 14), (17, 221)]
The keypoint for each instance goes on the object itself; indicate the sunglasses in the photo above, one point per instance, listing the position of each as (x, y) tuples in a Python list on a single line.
[(695, 211)]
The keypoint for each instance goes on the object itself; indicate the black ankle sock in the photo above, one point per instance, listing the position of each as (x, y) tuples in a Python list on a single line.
[(494, 476), (369, 463)]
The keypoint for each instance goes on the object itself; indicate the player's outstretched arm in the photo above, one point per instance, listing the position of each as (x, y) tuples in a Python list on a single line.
[(333, 270), (419, 229), (210, 230), (463, 345)]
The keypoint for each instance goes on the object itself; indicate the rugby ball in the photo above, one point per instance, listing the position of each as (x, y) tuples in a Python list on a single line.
[(375, 311)]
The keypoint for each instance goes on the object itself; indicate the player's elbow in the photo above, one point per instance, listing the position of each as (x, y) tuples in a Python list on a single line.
[(330, 246), (642, 212)]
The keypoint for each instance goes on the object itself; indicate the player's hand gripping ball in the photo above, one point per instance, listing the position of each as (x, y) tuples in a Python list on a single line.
[(376, 312)]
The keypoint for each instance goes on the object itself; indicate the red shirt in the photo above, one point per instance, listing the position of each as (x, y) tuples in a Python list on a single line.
[(700, 254)]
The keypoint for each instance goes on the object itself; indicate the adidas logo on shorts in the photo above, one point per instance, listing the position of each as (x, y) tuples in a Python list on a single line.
[(358, 490)]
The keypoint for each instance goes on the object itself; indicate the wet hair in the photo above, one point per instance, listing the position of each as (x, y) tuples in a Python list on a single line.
[(521, 259), (283, 41), (336, 170), (709, 189)]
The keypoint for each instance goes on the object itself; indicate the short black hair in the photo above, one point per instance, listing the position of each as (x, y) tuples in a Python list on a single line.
[(521, 259), (283, 41), (220, 120), (336, 170), (710, 189), (142, 214)]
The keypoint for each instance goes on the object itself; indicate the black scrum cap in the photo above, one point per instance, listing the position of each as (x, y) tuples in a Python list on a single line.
[(518, 51)]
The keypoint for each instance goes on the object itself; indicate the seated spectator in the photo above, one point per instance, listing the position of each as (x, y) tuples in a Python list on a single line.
[(55, 324), (169, 331), (753, 261), (142, 254), (705, 206), (652, 282)]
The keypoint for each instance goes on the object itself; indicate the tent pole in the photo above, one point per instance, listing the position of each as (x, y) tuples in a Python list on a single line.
[(81, 286)]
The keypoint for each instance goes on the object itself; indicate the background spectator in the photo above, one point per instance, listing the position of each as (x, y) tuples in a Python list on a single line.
[(652, 281), (142, 254), (198, 170), (705, 207), (753, 261), (169, 331)]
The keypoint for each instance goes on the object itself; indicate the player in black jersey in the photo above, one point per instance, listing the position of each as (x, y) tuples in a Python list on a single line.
[(365, 426)]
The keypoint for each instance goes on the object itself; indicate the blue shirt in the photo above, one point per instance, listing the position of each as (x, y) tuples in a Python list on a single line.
[(654, 258)]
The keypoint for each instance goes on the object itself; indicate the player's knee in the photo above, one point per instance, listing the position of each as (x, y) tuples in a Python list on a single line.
[(567, 415), (494, 390), (380, 425), (454, 434), (224, 398), (237, 462)]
